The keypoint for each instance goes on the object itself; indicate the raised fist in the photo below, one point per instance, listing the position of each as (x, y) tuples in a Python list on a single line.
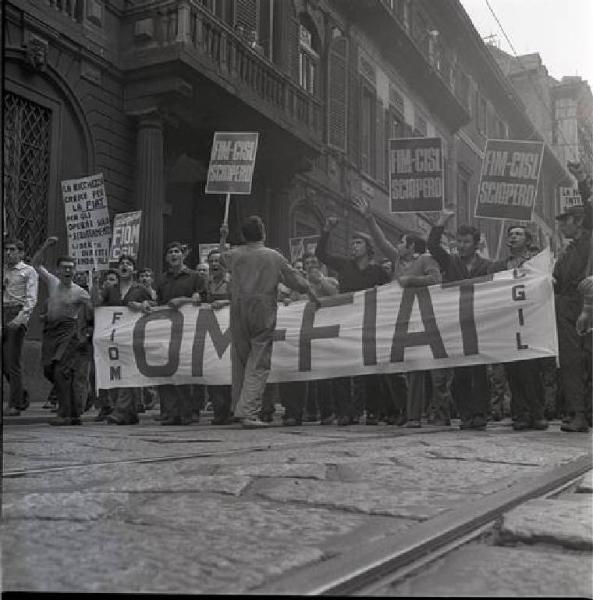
[(50, 241), (331, 223), (361, 205), (577, 170)]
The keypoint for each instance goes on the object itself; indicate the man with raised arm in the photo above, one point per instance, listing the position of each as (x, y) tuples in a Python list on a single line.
[(67, 332), (412, 267), (255, 273), (471, 383)]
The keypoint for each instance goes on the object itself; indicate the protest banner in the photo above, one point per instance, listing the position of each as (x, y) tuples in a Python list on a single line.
[(302, 245), (568, 197), (381, 330), (416, 174), (87, 222), (509, 180), (232, 162), (126, 235)]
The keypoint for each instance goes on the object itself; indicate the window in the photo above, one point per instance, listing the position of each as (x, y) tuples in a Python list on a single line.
[(308, 58), (367, 123), (463, 89), (481, 115), (420, 126), (394, 128), (338, 93), (26, 168)]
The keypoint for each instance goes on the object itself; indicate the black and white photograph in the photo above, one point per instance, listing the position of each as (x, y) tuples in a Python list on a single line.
[(297, 298)]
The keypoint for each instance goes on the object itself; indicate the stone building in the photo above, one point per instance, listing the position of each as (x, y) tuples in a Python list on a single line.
[(135, 89)]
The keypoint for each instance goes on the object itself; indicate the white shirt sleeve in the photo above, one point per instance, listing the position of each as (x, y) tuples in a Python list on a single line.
[(30, 300)]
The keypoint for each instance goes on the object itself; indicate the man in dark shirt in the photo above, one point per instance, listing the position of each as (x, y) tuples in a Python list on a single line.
[(354, 274), (176, 287), (470, 383), (126, 292), (574, 351)]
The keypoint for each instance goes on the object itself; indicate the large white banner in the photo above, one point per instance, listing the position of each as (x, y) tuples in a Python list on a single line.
[(387, 329)]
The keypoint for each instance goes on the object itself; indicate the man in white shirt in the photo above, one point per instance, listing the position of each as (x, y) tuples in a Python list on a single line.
[(19, 297), (67, 333)]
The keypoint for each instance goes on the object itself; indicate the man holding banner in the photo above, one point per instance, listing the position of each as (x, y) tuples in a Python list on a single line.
[(471, 383)]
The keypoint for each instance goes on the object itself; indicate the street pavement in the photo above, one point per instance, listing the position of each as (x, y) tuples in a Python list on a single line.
[(206, 509)]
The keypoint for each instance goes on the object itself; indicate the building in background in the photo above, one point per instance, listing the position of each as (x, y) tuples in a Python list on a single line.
[(136, 89)]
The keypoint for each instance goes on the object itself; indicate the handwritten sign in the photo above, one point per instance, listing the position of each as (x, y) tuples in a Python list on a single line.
[(126, 235), (416, 175), (232, 162), (302, 245), (509, 179), (87, 222)]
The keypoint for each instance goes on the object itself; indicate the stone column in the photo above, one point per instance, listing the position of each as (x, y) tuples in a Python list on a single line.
[(150, 189)]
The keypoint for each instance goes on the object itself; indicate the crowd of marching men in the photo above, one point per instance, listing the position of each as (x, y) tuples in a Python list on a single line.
[(252, 279)]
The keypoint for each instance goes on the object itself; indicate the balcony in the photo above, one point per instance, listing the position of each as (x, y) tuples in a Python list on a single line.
[(405, 44), (186, 39)]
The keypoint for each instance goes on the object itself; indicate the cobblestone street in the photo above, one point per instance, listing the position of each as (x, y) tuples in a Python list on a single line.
[(224, 510)]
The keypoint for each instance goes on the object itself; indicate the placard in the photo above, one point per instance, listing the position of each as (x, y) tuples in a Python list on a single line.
[(569, 197), (87, 222), (416, 175), (126, 235), (232, 162), (302, 245), (509, 180)]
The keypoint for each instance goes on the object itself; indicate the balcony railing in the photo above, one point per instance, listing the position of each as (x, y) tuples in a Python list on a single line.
[(233, 58), (69, 8)]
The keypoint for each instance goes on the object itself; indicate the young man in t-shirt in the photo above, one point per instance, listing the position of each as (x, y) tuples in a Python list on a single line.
[(67, 333)]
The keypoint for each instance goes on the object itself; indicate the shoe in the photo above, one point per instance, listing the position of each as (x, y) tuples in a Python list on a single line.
[(540, 424), (477, 423), (26, 402), (220, 421), (13, 412), (401, 420), (414, 423), (75, 421), (310, 418), (390, 420), (520, 425), (47, 404), (329, 420), (58, 421), (343, 421), (354, 420), (140, 409), (172, 421), (266, 418), (291, 422), (371, 420), (103, 413), (440, 422), (577, 424), (195, 418), (109, 420), (496, 416), (253, 423)]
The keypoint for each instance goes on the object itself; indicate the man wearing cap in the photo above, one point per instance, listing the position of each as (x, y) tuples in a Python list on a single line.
[(570, 269), (354, 274)]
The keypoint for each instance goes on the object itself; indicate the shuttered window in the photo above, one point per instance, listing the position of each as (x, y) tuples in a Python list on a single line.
[(338, 93), (367, 131), (380, 141)]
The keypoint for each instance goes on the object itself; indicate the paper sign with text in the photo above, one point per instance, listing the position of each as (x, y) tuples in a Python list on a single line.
[(87, 222), (509, 179), (416, 174), (126, 235), (232, 162), (302, 245), (569, 197)]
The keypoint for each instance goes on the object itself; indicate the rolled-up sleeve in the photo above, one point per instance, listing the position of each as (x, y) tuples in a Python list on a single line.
[(30, 299)]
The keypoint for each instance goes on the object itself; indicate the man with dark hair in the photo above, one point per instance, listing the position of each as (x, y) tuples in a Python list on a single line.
[(67, 333), (146, 278), (412, 268), (574, 350), (470, 383), (356, 273), (19, 297), (255, 273), (179, 285), (126, 402), (524, 377)]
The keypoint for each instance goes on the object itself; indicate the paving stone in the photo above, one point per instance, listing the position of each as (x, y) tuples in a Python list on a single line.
[(301, 470), (185, 543), (501, 572), (368, 497), (75, 506), (586, 485), (558, 521)]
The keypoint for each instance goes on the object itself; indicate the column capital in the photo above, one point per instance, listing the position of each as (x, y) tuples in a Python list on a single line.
[(150, 118)]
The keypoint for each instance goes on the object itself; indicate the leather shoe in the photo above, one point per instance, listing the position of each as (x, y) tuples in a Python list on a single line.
[(520, 425), (13, 412), (343, 421), (371, 420), (75, 421), (291, 422), (329, 420), (254, 423), (577, 424), (415, 423), (59, 421), (540, 424)]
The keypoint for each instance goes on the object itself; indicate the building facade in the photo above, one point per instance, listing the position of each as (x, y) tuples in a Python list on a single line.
[(136, 89)]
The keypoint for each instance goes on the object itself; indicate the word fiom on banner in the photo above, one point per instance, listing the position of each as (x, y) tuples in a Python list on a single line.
[(509, 179), (126, 235), (381, 330), (87, 222), (416, 175)]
